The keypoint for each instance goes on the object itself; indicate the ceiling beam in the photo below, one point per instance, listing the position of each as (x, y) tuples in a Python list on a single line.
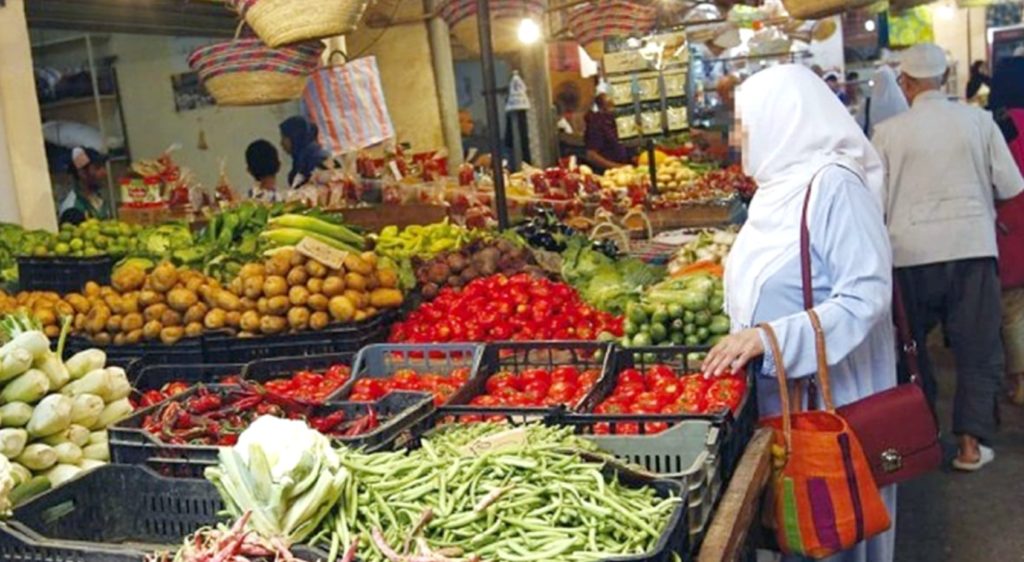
[(157, 17)]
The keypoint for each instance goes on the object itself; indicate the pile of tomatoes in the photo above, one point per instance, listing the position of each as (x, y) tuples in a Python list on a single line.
[(308, 386), (532, 388), (442, 387), (659, 390), (498, 308), (173, 388)]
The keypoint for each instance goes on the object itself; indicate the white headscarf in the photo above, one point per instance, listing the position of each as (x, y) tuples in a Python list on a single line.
[(793, 126), (887, 100)]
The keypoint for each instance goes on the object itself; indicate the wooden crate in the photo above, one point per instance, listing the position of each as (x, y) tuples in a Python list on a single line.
[(695, 215), (377, 217)]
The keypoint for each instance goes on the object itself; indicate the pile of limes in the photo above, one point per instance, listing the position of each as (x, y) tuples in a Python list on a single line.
[(91, 238)]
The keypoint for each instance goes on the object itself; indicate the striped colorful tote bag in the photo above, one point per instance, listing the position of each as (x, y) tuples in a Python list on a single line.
[(823, 496), (347, 104)]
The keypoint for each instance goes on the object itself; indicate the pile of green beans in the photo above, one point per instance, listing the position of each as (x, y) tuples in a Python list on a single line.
[(540, 501)]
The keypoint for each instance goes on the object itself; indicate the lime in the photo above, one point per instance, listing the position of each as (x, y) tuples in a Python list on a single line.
[(636, 313), (676, 310), (692, 341), (76, 244), (630, 327), (677, 338), (703, 334), (658, 333), (688, 317), (641, 340), (62, 249), (39, 251), (702, 318), (660, 316), (678, 325), (689, 329)]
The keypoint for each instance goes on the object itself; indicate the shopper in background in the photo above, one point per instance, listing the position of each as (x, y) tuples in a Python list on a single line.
[(88, 173), (886, 101), (299, 138), (977, 79), (832, 79), (263, 162), (943, 161), (604, 150), (787, 152), (1007, 104)]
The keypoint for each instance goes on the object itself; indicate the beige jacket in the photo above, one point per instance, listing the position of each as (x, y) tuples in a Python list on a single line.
[(946, 164)]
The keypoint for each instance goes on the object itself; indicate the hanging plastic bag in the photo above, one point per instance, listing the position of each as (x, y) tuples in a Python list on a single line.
[(347, 104)]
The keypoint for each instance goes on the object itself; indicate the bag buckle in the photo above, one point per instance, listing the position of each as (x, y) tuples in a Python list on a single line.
[(910, 347), (892, 460)]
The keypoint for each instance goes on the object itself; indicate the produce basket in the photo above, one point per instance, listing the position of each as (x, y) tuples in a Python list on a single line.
[(737, 428), (185, 351), (115, 513), (348, 338), (282, 22), (62, 275), (145, 377), (247, 72), (130, 443), (263, 370), (384, 360)]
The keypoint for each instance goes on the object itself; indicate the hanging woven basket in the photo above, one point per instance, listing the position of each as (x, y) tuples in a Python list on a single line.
[(247, 72), (283, 22), (505, 17), (605, 19), (817, 9)]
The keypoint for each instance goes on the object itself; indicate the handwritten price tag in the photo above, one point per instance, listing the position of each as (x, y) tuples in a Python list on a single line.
[(511, 438), (323, 253)]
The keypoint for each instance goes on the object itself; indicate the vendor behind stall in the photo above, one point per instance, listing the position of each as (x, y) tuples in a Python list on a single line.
[(263, 162), (85, 201), (604, 150), (299, 139)]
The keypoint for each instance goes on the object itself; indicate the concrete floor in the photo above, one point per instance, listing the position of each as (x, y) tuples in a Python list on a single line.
[(954, 517)]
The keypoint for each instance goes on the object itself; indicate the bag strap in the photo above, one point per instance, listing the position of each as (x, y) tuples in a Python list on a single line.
[(908, 345), (822, 355), (780, 375)]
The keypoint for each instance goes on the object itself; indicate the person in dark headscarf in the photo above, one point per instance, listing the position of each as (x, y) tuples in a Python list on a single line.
[(1006, 100), (299, 139)]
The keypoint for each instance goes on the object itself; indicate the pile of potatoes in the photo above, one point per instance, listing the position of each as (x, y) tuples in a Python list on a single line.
[(287, 292)]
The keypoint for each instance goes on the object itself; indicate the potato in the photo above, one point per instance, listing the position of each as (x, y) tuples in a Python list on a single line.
[(333, 286), (233, 318), (128, 278), (225, 300), (245, 303), (96, 320), (341, 308), (78, 302), (356, 264), (51, 331), (278, 305), (133, 337), (181, 299), (151, 330), (114, 302), (62, 308), (252, 270), (194, 283), (370, 257), (252, 287), (298, 295), (270, 325), (170, 318), (193, 329), (360, 315), (275, 285), (316, 269), (114, 323), (105, 291), (45, 315), (164, 277), (171, 335), (386, 298), (261, 305), (130, 303), (355, 281), (236, 287), (250, 321), (155, 311), (79, 322), (318, 302), (215, 319), (196, 312), (318, 320), (120, 338), (131, 322), (91, 289), (315, 285), (298, 318), (372, 282), (296, 258), (388, 278), (101, 338), (279, 264), (359, 298), (297, 276), (148, 298)]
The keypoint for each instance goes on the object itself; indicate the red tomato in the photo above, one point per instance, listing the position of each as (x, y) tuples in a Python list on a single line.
[(588, 378), (660, 371), (338, 373), (610, 406), (692, 401), (172, 388), (627, 428), (372, 388), (484, 400), (669, 390), (406, 379), (536, 390), (602, 428), (537, 377), (460, 375), (565, 373), (561, 392), (307, 379), (631, 376), (628, 392), (726, 392), (648, 403), (231, 379), (500, 380), (650, 428)]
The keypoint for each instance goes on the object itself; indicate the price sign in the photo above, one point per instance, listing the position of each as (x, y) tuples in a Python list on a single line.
[(511, 438), (323, 253)]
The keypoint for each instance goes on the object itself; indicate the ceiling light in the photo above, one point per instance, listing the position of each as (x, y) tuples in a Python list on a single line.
[(869, 26), (945, 12), (529, 31)]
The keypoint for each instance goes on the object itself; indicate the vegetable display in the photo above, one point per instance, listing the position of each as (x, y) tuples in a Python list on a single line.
[(422, 241), (678, 311), (660, 390), (605, 283), (54, 414), (563, 386), (91, 238), (709, 246), (499, 308), (232, 543), (441, 387), (308, 386)]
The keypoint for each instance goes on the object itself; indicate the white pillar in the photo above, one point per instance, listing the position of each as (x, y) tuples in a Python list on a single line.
[(26, 193), (444, 76)]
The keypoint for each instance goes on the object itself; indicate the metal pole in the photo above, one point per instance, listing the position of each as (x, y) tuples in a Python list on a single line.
[(483, 22)]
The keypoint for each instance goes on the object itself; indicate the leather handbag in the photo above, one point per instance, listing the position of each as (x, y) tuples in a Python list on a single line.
[(823, 498), (896, 427)]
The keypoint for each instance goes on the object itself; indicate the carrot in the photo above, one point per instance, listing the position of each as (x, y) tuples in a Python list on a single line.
[(701, 267)]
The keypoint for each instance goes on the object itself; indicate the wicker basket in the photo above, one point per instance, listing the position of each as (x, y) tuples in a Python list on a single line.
[(817, 9), (247, 72), (284, 22), (605, 19), (505, 17)]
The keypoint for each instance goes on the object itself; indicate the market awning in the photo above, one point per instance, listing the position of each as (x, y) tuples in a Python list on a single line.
[(158, 17)]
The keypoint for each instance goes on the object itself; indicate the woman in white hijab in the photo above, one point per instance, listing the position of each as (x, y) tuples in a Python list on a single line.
[(887, 99), (797, 136)]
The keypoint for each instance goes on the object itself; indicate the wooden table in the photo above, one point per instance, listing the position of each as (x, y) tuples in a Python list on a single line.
[(740, 506)]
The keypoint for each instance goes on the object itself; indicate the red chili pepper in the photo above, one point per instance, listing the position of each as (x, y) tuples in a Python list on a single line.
[(204, 403), (326, 424)]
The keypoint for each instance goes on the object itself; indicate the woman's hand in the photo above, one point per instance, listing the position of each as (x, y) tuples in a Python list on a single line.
[(733, 353)]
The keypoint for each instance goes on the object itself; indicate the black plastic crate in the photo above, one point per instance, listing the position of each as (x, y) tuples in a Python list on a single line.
[(738, 428), (61, 274), (263, 370), (187, 351), (131, 444), (349, 338), (115, 513), (384, 360)]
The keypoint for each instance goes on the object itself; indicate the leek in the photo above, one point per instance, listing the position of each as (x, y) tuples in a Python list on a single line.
[(73, 434), (52, 415), (37, 456), (14, 363), (28, 387), (96, 452), (86, 409), (68, 453), (12, 442), (112, 413), (62, 473), (85, 362), (15, 414)]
